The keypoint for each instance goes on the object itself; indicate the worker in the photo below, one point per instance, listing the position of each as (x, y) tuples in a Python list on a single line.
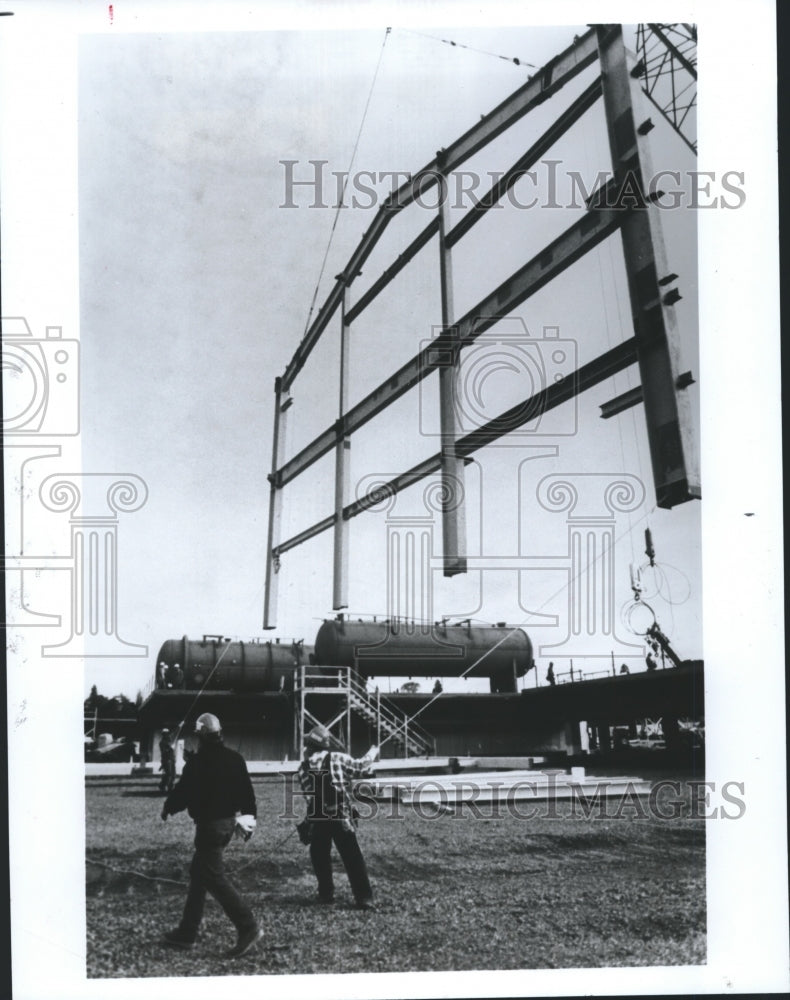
[(651, 663), (437, 687), (167, 757), (216, 790), (624, 668), (550, 674), (324, 777)]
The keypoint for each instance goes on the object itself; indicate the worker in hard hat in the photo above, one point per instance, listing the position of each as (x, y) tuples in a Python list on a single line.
[(167, 765), (325, 777), (216, 790)]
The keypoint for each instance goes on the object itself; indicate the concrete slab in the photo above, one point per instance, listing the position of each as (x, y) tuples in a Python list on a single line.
[(503, 787)]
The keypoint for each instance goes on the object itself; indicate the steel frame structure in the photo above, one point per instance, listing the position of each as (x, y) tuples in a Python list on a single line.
[(623, 204)]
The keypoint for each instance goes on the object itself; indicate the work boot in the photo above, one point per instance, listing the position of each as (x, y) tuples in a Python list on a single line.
[(177, 939), (245, 941)]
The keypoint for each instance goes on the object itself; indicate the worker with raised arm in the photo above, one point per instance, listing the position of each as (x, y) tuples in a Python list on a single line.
[(325, 777)]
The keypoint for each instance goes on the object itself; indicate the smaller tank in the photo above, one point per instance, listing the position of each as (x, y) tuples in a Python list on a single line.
[(219, 664)]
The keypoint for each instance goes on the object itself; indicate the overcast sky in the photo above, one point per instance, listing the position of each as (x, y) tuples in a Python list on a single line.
[(195, 287)]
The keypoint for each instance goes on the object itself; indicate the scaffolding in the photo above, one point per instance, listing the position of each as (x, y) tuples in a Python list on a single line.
[(347, 690)]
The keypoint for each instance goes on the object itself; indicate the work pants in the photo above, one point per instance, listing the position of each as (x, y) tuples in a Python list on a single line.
[(207, 874), (168, 774), (323, 832)]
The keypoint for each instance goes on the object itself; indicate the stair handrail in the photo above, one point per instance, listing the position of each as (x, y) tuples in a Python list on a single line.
[(400, 726), (404, 725)]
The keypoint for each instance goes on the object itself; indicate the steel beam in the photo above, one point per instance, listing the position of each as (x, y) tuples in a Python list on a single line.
[(667, 409), (303, 536), (543, 84), (585, 234), (604, 366), (553, 134), (394, 269), (310, 339), (626, 400), (546, 81), (585, 377), (634, 396), (282, 402), (342, 474), (453, 487)]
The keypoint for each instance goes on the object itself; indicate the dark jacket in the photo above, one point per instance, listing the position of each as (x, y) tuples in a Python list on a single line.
[(215, 784)]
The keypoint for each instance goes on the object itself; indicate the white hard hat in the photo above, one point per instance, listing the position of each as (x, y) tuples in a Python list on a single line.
[(207, 724)]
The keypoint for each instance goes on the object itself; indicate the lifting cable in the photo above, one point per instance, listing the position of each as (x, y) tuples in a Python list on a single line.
[(341, 199), (200, 692)]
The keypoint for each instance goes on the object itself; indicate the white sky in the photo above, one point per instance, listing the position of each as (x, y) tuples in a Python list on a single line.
[(195, 286), (189, 288)]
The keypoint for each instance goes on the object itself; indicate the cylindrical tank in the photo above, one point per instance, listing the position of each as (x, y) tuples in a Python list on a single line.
[(401, 649), (217, 664)]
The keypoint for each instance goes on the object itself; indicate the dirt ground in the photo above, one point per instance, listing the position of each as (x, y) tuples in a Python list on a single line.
[(452, 891)]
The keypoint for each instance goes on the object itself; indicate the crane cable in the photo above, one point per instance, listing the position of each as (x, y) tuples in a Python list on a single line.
[(345, 183), (459, 45)]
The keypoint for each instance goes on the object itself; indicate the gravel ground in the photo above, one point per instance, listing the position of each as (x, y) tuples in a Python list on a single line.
[(452, 892)]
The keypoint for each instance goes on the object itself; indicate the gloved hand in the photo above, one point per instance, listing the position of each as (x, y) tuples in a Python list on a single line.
[(245, 827)]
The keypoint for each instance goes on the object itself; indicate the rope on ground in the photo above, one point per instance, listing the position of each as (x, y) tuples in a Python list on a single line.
[(275, 848), (131, 871), (172, 881)]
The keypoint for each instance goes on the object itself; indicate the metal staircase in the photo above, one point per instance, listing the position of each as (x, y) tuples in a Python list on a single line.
[(393, 727)]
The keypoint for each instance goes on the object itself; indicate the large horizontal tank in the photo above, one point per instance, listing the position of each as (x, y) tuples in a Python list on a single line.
[(218, 664), (403, 649)]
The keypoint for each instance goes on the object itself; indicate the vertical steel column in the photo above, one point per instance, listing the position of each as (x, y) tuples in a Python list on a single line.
[(300, 721), (342, 472), (282, 400), (452, 493), (667, 409), (348, 709)]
